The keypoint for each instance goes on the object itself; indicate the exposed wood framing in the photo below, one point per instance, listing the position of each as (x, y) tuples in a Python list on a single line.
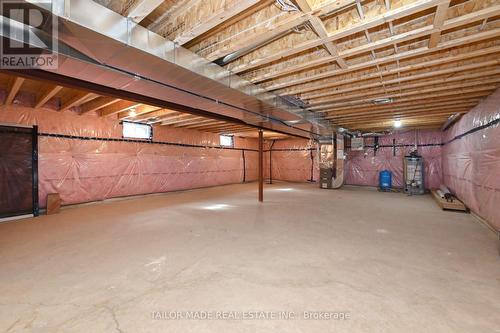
[(438, 23), (117, 108), (432, 58), (139, 111), (214, 20), (365, 65), (86, 102), (143, 8), (320, 30), (427, 83), (356, 28), (152, 115), (260, 39), (76, 100), (97, 104), (13, 89), (185, 119), (46, 95)]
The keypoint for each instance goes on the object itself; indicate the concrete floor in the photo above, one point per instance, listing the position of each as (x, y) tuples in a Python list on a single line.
[(388, 262)]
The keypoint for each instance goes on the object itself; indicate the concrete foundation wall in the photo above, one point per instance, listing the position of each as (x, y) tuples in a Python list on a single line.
[(291, 159), (471, 159), (89, 166)]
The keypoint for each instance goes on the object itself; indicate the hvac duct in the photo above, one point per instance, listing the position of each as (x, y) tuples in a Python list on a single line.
[(331, 161), (100, 47)]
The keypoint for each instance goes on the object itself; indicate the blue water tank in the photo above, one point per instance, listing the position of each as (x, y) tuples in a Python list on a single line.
[(385, 179)]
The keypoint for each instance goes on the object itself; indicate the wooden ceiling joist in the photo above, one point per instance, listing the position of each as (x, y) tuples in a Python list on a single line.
[(46, 95), (193, 122), (224, 126), (485, 74), (432, 120), (13, 89), (153, 114), (407, 78), (429, 111), (138, 111), (215, 19), (177, 121), (439, 18), (213, 126), (416, 119), (355, 28), (429, 58), (409, 102), (172, 118), (197, 125), (401, 107), (97, 104), (409, 68), (422, 51), (260, 39), (463, 93), (385, 88), (117, 107), (320, 30), (143, 8), (294, 20), (491, 84), (76, 100)]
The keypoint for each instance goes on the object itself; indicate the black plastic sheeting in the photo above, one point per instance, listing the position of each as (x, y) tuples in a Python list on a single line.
[(18, 171)]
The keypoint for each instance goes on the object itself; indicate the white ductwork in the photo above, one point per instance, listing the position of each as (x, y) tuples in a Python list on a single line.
[(338, 179), (101, 47)]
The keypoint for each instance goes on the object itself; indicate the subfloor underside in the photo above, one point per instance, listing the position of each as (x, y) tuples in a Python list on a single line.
[(384, 262)]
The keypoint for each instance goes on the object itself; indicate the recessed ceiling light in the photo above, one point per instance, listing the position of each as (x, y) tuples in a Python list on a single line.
[(132, 113), (397, 123)]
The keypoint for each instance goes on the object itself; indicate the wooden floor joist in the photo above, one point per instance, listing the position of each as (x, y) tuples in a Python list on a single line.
[(337, 58)]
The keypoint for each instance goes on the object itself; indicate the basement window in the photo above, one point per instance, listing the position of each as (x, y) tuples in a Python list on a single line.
[(137, 131), (227, 141)]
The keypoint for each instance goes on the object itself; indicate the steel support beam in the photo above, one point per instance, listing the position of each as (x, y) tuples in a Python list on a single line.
[(261, 165)]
